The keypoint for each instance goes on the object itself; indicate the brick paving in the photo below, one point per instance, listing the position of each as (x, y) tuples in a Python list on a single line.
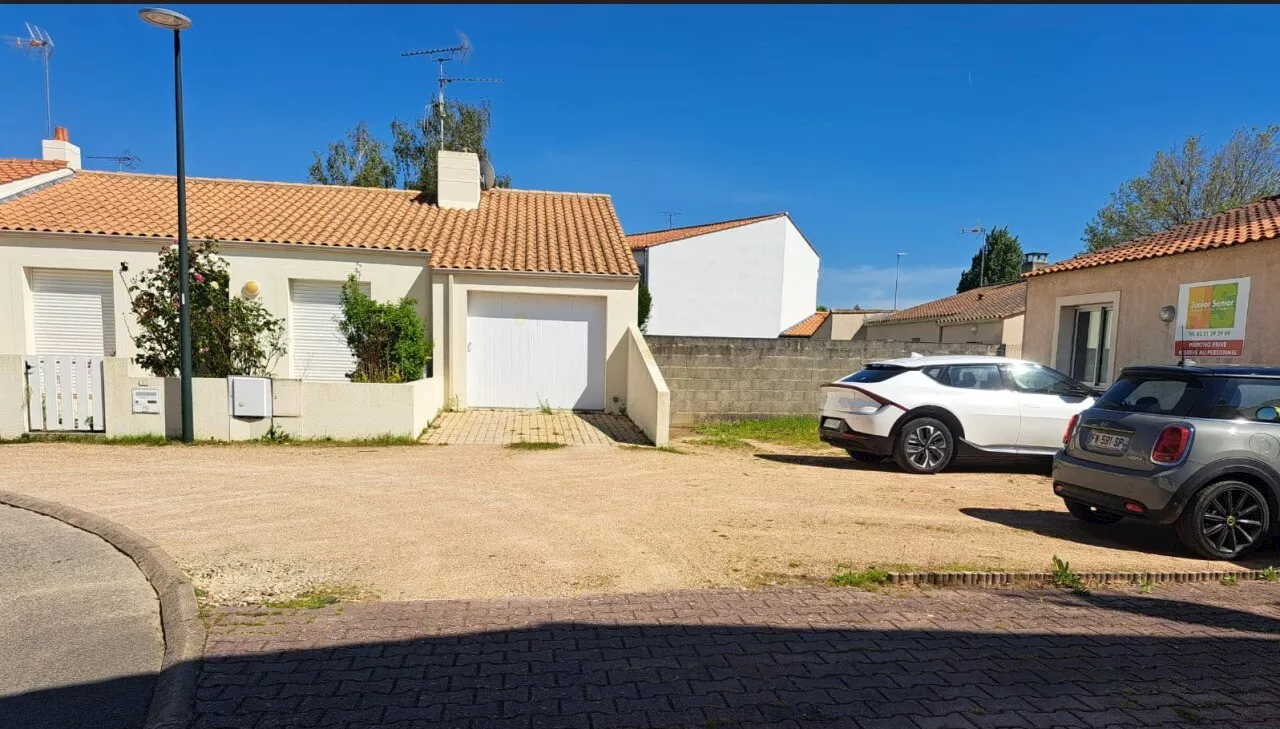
[(499, 427), (1203, 656)]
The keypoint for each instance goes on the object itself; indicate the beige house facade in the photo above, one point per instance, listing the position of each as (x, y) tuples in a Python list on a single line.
[(1093, 315), (986, 315)]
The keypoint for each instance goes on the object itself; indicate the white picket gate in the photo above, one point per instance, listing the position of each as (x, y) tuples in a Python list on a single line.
[(65, 392)]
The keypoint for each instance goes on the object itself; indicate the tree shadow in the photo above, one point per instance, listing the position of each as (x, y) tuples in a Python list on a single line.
[(1181, 611), (1036, 466), (1130, 534)]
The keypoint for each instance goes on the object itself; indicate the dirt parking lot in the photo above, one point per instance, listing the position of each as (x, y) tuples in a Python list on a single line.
[(487, 521)]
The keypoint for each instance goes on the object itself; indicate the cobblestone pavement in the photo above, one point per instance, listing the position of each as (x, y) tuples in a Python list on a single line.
[(1203, 656), (498, 427)]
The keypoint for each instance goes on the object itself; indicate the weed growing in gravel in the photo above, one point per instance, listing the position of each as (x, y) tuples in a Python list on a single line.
[(276, 435), (535, 445), (1146, 586), (1270, 574), (869, 577), (315, 599), (1230, 581), (663, 449), (1063, 576), (148, 439)]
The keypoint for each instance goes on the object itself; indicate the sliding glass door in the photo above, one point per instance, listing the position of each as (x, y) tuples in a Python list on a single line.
[(1091, 345)]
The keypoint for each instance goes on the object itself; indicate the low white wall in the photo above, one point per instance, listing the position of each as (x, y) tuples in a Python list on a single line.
[(648, 399), (346, 410), (13, 397), (118, 401)]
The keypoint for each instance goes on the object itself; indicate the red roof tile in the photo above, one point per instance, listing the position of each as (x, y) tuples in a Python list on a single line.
[(17, 169), (658, 237), (1247, 224), (989, 302), (808, 326)]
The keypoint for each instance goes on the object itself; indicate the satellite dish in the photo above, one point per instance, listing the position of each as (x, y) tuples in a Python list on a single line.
[(487, 175)]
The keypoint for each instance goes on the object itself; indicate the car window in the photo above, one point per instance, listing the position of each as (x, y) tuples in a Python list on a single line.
[(1158, 394), (934, 373), (1246, 399), (973, 377), (874, 373), (1039, 380)]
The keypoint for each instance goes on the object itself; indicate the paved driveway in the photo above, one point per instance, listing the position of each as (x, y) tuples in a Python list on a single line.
[(80, 641), (499, 427), (787, 659)]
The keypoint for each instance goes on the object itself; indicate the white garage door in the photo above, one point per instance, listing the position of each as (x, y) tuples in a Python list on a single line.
[(320, 352), (73, 312), (525, 350)]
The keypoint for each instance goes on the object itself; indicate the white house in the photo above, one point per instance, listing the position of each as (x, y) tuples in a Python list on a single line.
[(529, 296), (752, 277)]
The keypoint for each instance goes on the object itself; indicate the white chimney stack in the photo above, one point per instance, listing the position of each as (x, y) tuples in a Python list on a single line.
[(60, 149), (458, 180)]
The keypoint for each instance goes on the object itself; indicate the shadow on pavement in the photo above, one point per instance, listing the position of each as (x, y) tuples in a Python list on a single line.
[(120, 703), (1035, 466), (1133, 535), (1182, 611)]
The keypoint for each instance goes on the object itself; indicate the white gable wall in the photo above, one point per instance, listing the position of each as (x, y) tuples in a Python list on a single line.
[(799, 277), (723, 284)]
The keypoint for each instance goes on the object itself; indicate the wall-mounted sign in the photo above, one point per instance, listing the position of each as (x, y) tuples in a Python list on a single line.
[(1211, 318), (146, 400)]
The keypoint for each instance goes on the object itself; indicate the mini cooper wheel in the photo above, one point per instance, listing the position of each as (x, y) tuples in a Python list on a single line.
[(1084, 512), (1225, 520), (925, 445)]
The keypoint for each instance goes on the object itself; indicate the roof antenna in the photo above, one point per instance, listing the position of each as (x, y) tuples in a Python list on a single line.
[(671, 218), (460, 53), (38, 43), (127, 161)]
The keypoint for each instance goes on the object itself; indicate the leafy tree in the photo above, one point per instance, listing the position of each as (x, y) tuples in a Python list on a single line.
[(229, 335), (466, 127), (360, 160), (821, 307), (644, 306), (1004, 261), (387, 340), (1188, 183)]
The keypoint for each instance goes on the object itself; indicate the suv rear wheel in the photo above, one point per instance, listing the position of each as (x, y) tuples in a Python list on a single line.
[(1084, 512), (1225, 520), (925, 445)]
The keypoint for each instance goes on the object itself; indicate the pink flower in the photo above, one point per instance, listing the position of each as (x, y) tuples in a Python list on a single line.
[(199, 277)]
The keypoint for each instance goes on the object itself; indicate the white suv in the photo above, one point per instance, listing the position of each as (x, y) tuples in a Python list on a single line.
[(924, 411)]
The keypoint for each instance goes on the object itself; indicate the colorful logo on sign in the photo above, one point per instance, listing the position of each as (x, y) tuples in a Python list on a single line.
[(1212, 306), (1211, 318)]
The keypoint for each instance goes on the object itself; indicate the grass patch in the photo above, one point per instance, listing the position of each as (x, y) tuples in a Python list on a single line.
[(1230, 581), (721, 441), (869, 577), (1270, 574), (535, 445), (271, 437), (796, 430), (1146, 586), (662, 449), (145, 439), (317, 598)]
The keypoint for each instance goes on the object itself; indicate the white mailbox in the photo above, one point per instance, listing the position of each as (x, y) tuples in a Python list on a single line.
[(250, 397)]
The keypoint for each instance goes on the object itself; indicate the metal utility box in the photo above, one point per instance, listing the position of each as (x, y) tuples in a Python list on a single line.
[(250, 397), (286, 398), (146, 400)]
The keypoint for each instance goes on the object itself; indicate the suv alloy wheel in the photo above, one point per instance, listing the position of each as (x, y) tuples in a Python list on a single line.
[(925, 445)]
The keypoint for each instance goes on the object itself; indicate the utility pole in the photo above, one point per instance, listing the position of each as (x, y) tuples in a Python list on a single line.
[(897, 271)]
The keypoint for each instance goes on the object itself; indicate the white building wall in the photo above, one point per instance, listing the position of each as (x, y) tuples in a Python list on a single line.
[(799, 277), (723, 284), (391, 275)]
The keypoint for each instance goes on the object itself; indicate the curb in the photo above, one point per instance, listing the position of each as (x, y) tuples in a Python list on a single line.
[(173, 700), (1016, 579)]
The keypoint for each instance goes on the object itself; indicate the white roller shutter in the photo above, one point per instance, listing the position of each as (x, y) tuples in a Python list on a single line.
[(524, 350), (318, 349), (73, 312)]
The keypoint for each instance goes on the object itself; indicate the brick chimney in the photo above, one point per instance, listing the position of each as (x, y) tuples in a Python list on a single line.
[(458, 180), (60, 148), (1033, 261)]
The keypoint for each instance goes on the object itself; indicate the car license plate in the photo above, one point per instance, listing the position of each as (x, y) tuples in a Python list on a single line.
[(1108, 442), (831, 423)]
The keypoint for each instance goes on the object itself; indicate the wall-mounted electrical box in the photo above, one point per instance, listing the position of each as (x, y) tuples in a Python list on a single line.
[(250, 397)]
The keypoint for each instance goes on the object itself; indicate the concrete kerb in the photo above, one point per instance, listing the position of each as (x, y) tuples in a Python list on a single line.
[(173, 700), (1016, 579)]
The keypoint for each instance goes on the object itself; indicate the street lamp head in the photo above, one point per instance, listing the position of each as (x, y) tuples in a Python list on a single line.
[(167, 19)]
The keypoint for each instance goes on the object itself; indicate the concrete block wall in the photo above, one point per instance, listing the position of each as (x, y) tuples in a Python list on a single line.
[(722, 378)]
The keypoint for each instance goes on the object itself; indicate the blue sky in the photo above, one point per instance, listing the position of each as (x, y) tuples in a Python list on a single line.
[(880, 129)]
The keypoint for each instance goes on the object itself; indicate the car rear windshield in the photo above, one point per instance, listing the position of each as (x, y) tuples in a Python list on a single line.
[(1159, 394), (875, 373)]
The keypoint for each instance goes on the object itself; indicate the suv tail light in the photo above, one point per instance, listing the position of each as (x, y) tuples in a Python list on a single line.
[(1071, 428), (1171, 444)]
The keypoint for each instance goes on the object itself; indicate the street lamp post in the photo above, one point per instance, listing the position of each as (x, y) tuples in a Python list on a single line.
[(177, 22), (897, 270)]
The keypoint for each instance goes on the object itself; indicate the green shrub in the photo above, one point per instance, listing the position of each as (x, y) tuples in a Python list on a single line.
[(387, 340)]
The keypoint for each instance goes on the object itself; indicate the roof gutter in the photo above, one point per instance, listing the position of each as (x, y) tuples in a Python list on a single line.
[(540, 274), (154, 239)]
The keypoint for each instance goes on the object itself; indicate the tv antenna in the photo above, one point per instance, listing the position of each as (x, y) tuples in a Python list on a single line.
[(671, 218), (39, 44), (461, 52), (127, 161), (981, 232)]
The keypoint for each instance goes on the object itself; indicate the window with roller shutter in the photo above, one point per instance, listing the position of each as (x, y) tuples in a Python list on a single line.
[(73, 312), (318, 349)]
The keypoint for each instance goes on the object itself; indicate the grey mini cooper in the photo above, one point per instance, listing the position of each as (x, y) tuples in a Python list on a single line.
[(1195, 447)]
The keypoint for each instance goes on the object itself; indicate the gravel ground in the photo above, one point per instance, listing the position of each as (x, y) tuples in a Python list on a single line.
[(253, 522)]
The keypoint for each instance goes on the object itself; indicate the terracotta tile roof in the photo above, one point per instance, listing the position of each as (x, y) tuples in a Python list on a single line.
[(808, 326), (513, 230), (1247, 224), (658, 237), (989, 302), (17, 169)]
